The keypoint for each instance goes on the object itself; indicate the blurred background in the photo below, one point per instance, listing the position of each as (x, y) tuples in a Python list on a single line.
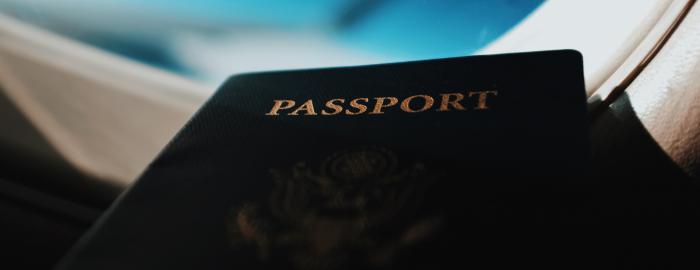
[(209, 40)]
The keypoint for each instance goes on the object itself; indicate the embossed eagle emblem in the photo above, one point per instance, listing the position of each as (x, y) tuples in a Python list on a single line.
[(358, 209)]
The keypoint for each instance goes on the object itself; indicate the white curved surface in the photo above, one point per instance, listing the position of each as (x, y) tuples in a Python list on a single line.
[(106, 115), (666, 95), (596, 28)]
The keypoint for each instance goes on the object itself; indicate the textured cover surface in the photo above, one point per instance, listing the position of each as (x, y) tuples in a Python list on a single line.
[(254, 182)]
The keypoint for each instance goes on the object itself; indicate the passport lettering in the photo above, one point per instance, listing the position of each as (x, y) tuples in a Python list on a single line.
[(443, 102)]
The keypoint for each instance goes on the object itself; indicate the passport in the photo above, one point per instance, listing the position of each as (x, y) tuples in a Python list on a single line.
[(406, 165)]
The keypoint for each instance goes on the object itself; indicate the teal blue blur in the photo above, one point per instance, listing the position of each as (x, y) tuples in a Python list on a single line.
[(268, 12), (430, 29), (370, 31), (393, 29)]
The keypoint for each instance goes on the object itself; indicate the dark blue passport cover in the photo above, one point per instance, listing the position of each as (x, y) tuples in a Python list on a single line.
[(373, 167)]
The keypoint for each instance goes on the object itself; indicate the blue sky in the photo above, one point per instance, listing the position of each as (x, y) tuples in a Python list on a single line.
[(399, 29), (194, 37)]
